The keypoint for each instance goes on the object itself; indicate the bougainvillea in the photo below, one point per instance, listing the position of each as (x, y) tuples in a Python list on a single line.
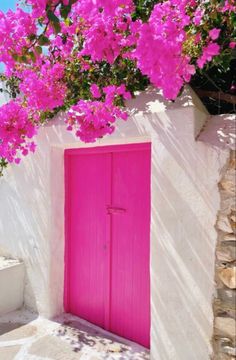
[(92, 119), (17, 127), (44, 88), (86, 57), (169, 68)]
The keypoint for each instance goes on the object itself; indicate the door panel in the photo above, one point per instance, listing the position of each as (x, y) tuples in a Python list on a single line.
[(107, 211), (89, 190), (130, 279)]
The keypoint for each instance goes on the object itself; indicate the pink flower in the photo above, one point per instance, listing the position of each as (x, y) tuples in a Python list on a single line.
[(214, 33), (41, 52), (159, 47), (92, 120), (232, 44), (209, 52), (198, 16), (95, 91), (16, 130), (45, 90), (201, 62), (197, 38)]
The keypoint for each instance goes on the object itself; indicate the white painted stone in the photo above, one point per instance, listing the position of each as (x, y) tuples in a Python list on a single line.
[(185, 201), (12, 274)]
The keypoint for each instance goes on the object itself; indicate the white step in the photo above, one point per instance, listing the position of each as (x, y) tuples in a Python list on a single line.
[(12, 273)]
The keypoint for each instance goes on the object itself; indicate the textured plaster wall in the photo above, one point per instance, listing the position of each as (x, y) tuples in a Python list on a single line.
[(185, 202)]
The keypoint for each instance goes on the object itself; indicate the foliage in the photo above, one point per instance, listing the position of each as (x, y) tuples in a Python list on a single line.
[(87, 57), (3, 165)]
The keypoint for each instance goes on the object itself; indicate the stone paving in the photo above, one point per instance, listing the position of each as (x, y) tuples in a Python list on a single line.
[(23, 336)]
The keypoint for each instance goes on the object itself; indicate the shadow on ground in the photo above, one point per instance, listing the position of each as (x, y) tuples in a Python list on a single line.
[(25, 336), (82, 335)]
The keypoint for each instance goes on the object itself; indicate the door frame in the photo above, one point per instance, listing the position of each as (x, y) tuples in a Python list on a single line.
[(92, 150)]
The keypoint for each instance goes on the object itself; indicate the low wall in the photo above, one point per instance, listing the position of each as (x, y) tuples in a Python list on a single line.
[(12, 273)]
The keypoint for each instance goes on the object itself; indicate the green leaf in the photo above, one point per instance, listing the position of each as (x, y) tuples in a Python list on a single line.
[(23, 59), (43, 40), (32, 56), (16, 57), (32, 37), (39, 50), (233, 53), (55, 22), (233, 18), (67, 22), (3, 165), (51, 16), (56, 27), (65, 10)]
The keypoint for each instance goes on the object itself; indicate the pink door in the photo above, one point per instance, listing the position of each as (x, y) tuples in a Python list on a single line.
[(107, 279)]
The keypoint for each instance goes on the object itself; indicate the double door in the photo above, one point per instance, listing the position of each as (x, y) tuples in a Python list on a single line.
[(107, 218)]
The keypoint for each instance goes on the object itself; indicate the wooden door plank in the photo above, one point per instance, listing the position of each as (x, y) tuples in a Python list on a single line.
[(130, 276), (88, 190)]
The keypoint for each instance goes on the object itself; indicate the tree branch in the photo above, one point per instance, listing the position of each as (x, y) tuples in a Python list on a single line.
[(216, 95)]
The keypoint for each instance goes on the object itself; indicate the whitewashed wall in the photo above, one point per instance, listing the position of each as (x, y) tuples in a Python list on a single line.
[(185, 201)]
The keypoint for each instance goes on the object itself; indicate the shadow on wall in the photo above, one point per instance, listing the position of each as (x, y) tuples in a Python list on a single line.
[(151, 97), (26, 216), (184, 210), (220, 131), (24, 220)]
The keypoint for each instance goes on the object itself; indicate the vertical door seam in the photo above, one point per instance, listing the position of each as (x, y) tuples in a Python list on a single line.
[(110, 247)]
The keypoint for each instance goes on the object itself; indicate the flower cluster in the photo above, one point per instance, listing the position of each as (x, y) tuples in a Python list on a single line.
[(102, 42), (45, 90), (159, 47), (88, 56), (106, 28), (92, 119), (15, 28), (16, 131), (209, 51)]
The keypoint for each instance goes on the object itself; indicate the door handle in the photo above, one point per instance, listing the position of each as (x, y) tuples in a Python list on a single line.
[(115, 210)]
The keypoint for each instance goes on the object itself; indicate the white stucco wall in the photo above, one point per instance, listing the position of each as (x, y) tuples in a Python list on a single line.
[(185, 202)]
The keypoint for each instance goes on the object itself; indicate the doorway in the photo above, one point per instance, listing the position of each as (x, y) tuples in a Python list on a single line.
[(107, 220)]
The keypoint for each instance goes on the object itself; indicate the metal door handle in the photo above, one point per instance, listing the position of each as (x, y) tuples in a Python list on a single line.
[(115, 210)]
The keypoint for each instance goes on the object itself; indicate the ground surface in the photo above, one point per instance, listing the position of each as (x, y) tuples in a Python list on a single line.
[(23, 336)]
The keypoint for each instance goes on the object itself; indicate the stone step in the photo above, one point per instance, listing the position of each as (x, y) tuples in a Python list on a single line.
[(12, 273)]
